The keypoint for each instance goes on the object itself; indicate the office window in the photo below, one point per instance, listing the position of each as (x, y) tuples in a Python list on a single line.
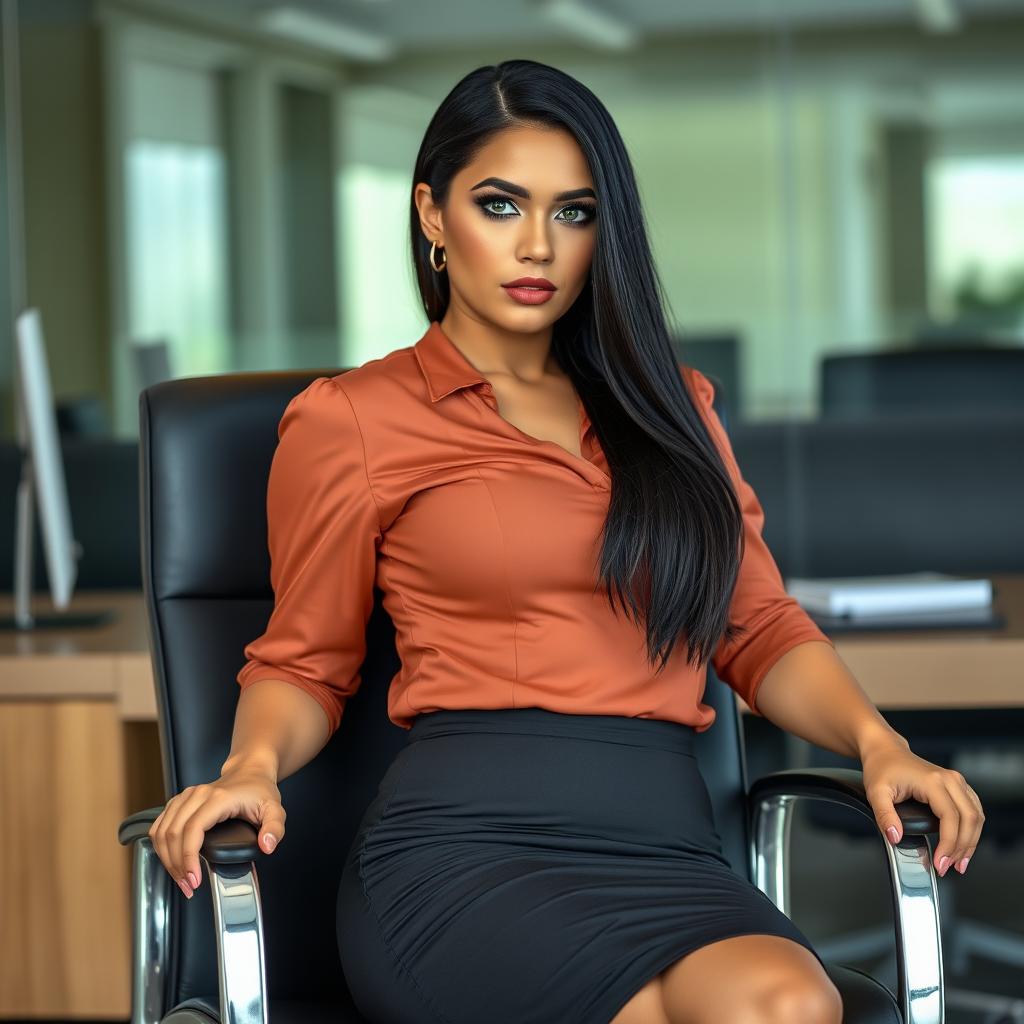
[(177, 266), (382, 309), (976, 213)]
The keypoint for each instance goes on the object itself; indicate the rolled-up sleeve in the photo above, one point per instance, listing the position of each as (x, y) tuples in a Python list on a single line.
[(323, 531), (774, 621)]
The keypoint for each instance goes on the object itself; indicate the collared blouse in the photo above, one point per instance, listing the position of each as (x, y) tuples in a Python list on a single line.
[(402, 474)]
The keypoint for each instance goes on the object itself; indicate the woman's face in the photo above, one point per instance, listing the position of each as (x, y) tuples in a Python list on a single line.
[(502, 222)]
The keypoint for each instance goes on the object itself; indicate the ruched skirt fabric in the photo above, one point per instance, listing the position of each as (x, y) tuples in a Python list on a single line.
[(526, 866)]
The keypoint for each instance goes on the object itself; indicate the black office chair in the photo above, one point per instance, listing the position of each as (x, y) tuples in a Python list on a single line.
[(258, 938)]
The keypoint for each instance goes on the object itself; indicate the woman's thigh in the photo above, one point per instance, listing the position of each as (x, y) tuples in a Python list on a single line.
[(755, 978)]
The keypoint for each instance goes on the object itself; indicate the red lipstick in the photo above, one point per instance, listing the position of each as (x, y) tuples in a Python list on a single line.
[(530, 291)]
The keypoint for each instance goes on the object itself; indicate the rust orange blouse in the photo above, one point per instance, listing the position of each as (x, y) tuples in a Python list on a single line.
[(484, 542)]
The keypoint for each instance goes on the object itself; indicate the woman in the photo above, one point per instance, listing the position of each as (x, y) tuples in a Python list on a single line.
[(543, 849)]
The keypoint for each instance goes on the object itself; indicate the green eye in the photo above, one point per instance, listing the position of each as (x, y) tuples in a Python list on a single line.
[(486, 201)]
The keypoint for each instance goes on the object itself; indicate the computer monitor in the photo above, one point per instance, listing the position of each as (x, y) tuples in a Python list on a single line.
[(152, 359), (42, 476)]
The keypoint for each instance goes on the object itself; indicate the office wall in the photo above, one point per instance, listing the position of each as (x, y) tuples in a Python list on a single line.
[(6, 243), (310, 251), (65, 243)]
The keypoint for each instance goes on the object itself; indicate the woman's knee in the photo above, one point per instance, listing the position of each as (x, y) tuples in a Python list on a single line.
[(751, 979), (800, 999), (792, 1001)]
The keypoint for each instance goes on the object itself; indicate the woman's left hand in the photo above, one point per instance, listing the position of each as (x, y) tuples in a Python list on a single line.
[(894, 774)]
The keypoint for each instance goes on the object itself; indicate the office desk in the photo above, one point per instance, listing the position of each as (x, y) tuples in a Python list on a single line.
[(932, 668), (79, 751), (77, 755)]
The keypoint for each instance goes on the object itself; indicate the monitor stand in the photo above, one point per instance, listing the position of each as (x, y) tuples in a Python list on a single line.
[(24, 620)]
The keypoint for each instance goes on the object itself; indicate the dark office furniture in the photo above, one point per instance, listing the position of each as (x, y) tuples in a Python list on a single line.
[(718, 355), (866, 495), (940, 378), (102, 476), (82, 416)]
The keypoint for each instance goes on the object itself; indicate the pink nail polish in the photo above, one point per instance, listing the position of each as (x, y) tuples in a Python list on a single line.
[(183, 886), (892, 833), (192, 880), (943, 865), (962, 866)]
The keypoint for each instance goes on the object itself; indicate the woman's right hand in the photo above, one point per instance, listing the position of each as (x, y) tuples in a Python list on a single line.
[(177, 834)]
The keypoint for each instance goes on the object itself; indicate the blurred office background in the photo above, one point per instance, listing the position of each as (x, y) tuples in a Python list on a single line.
[(231, 176), (835, 195)]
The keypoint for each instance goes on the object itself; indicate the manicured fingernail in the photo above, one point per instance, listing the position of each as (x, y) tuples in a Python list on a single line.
[(892, 833), (192, 880), (183, 885), (962, 866), (943, 865)]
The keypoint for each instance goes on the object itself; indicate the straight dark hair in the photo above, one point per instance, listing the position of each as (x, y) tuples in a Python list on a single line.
[(673, 537)]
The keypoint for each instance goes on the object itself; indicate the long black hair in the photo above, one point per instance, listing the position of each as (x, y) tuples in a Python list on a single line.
[(673, 537)]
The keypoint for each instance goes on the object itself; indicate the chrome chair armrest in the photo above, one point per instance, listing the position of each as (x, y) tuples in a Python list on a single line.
[(229, 853), (914, 888)]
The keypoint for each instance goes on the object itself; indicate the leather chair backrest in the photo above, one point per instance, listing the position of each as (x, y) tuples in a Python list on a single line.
[(205, 450)]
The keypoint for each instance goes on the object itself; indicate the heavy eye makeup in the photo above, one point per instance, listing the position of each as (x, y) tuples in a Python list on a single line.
[(483, 201)]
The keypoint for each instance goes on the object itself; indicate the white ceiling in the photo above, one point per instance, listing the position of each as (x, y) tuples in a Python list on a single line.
[(414, 25)]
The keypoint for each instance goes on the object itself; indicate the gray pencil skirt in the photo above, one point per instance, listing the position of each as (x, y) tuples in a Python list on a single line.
[(530, 867)]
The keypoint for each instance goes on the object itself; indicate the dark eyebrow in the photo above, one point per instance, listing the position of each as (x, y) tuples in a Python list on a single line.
[(518, 190)]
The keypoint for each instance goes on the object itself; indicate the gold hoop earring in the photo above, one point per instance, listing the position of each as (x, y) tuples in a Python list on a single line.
[(444, 255)]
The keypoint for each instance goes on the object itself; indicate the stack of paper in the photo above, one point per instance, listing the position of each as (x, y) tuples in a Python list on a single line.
[(866, 596)]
